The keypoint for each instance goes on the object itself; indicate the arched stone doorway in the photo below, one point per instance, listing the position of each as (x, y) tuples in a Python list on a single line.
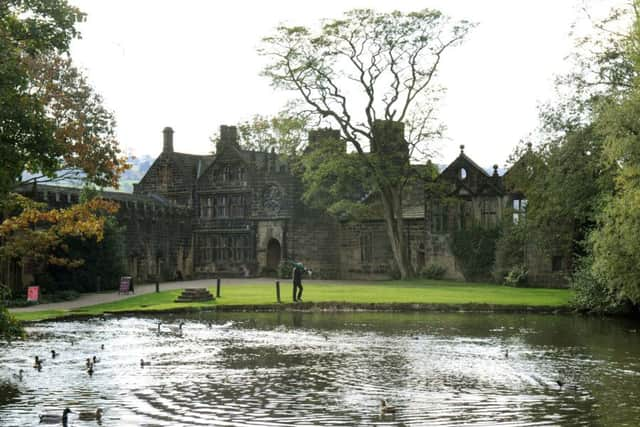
[(273, 254)]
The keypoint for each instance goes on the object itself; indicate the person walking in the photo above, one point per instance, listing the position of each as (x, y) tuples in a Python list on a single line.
[(298, 269)]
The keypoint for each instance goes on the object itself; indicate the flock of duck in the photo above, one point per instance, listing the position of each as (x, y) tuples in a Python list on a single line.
[(53, 418), (90, 363), (63, 418)]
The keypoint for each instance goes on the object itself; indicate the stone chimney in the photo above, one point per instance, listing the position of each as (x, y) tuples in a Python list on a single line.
[(167, 140), (388, 138), (228, 137)]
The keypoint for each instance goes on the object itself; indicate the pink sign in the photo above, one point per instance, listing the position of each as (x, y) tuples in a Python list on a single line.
[(125, 284), (32, 293)]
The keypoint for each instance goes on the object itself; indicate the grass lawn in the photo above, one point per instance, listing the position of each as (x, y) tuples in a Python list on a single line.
[(417, 291)]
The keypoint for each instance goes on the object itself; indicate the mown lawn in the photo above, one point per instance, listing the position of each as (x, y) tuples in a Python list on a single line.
[(417, 291)]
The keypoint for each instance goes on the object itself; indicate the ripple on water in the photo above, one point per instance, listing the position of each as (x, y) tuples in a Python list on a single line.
[(243, 372)]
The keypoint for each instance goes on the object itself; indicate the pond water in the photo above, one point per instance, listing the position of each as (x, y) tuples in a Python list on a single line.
[(257, 369)]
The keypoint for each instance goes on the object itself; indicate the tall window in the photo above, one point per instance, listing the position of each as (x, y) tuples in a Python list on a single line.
[(237, 206), (205, 249), (488, 212), (221, 205), (519, 210), (439, 218), (229, 206), (240, 246), (206, 207), (227, 248), (230, 174), (366, 247), (465, 217)]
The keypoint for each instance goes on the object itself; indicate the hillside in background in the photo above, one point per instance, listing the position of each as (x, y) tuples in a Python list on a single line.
[(139, 166)]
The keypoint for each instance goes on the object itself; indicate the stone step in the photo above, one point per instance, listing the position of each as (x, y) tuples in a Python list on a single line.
[(195, 295)]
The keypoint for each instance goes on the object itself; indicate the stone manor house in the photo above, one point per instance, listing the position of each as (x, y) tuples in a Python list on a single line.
[(239, 213)]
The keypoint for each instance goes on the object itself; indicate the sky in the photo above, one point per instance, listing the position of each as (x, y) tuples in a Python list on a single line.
[(192, 65)]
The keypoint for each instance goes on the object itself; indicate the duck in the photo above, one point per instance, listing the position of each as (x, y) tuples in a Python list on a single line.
[(18, 376), (37, 363), (90, 416), (89, 363), (90, 370), (386, 409), (54, 418), (101, 346), (506, 354), (143, 363), (560, 382), (53, 354), (178, 330), (95, 360)]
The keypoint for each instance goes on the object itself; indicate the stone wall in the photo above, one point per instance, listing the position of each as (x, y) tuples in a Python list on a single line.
[(158, 234)]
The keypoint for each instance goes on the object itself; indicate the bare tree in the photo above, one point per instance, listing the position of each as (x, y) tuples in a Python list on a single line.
[(365, 67)]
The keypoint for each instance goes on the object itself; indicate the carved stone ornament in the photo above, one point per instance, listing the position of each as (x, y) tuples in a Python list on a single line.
[(272, 199)]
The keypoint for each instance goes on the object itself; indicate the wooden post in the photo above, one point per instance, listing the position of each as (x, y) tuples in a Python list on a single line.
[(278, 290), (218, 288)]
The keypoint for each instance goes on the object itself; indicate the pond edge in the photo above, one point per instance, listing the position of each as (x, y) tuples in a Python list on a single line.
[(331, 307)]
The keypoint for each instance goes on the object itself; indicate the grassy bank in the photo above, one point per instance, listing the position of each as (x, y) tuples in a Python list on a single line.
[(384, 293)]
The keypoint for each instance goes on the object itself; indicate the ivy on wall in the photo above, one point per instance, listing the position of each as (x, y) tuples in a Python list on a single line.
[(475, 250)]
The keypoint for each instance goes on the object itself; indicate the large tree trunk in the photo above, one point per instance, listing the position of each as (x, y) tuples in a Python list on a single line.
[(392, 203)]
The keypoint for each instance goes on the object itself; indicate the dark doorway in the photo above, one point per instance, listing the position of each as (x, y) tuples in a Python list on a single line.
[(273, 254)]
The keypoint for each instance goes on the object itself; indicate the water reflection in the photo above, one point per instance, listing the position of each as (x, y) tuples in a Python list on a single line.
[(329, 369)]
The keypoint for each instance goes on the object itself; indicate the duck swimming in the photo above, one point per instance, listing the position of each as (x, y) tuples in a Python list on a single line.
[(386, 409), (89, 416), (18, 376), (37, 363), (54, 418), (143, 363), (90, 370), (178, 330), (53, 354)]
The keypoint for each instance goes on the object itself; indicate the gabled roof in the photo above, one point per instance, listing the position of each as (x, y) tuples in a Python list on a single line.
[(187, 164), (463, 158)]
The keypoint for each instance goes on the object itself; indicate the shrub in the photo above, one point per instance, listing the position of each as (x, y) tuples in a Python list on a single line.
[(592, 294), (433, 271), (517, 276), (285, 270)]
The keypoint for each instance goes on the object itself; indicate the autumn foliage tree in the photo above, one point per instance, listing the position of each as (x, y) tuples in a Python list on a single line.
[(53, 126), (364, 67), (37, 230)]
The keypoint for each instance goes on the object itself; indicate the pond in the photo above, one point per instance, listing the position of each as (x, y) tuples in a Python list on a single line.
[(274, 369)]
